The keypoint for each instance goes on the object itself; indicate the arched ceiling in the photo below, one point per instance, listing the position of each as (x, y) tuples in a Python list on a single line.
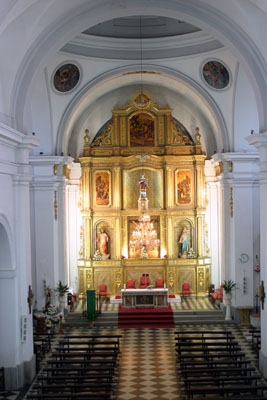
[(191, 106), (56, 24), (141, 27)]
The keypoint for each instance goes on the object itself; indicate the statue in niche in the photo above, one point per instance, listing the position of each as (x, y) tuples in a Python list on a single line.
[(184, 243), (143, 252), (102, 244), (143, 186)]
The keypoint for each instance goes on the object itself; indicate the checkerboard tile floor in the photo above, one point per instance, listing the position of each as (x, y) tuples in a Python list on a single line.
[(148, 361)]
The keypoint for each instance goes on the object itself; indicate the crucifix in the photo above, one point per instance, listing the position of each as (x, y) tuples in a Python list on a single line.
[(29, 299), (262, 295)]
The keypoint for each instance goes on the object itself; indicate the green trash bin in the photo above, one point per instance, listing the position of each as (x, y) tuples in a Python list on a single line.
[(91, 305)]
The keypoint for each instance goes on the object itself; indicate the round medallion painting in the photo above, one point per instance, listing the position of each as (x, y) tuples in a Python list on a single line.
[(66, 77), (216, 75)]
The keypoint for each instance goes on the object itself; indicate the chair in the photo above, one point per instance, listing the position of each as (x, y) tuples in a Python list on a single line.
[(159, 284), (144, 283), (103, 290), (186, 291), (130, 284), (217, 295)]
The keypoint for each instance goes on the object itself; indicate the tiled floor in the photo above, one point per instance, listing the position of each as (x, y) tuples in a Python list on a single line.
[(148, 360), (187, 304)]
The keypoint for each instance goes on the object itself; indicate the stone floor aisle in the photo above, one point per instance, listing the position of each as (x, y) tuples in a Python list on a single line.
[(147, 365)]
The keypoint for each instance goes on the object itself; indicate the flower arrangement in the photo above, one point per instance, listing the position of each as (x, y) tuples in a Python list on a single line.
[(52, 311), (48, 323)]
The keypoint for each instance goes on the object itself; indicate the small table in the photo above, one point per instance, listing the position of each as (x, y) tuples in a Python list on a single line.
[(144, 298)]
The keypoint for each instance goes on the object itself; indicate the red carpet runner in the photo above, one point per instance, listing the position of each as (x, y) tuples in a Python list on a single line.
[(145, 317)]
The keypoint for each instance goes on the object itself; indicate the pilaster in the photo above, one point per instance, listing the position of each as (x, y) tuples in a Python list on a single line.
[(260, 142), (48, 189), (237, 177)]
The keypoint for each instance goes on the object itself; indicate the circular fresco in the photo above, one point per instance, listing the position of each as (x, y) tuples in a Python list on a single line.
[(215, 74), (66, 78)]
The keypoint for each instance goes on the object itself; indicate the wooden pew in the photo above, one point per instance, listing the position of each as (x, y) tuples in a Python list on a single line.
[(82, 363), (73, 387), (96, 378), (212, 356), (253, 390), (69, 396), (62, 355), (77, 370), (209, 350), (213, 364), (201, 372), (94, 337), (91, 346), (204, 332), (220, 380)]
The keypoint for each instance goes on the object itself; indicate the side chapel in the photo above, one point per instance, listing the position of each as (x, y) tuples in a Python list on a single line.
[(143, 141)]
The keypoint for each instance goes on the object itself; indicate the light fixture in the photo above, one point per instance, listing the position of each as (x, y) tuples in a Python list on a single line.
[(144, 237)]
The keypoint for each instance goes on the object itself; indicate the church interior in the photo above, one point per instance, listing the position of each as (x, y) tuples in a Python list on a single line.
[(133, 176)]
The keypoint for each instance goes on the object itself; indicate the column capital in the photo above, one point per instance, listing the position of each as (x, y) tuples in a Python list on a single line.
[(259, 140)]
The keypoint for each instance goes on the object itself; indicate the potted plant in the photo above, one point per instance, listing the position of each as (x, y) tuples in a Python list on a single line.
[(62, 290), (228, 286)]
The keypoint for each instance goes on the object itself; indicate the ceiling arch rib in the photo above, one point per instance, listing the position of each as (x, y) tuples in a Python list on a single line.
[(216, 135), (208, 18)]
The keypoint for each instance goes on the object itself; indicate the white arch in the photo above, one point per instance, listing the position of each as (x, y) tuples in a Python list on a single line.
[(69, 114), (7, 254), (208, 18)]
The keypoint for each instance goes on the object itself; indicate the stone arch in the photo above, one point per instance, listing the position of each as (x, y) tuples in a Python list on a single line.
[(209, 18)]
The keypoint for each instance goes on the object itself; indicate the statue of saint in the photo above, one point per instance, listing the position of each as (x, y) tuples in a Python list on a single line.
[(184, 240), (143, 187), (102, 243), (143, 252)]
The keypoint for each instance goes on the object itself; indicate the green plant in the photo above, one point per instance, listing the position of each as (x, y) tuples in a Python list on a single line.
[(61, 289), (228, 286)]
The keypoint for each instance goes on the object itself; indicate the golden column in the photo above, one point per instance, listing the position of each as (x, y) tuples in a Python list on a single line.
[(170, 237), (163, 244), (124, 233), (169, 187), (117, 187), (117, 238), (199, 235)]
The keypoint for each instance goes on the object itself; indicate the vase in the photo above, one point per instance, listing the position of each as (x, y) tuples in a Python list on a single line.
[(255, 320), (227, 302), (62, 305)]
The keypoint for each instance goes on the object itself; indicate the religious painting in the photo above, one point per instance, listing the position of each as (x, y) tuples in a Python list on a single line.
[(66, 77), (183, 181), (215, 74), (142, 130), (102, 188)]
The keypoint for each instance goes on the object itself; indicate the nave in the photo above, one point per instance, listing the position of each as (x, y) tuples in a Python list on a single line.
[(148, 365)]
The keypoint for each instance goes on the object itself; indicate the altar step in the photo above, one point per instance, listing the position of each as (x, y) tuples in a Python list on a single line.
[(75, 319), (195, 317), (192, 317)]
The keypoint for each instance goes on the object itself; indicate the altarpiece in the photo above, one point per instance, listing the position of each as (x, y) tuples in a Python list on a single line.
[(143, 139)]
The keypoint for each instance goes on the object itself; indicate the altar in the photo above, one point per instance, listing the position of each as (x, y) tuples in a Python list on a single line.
[(144, 298)]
